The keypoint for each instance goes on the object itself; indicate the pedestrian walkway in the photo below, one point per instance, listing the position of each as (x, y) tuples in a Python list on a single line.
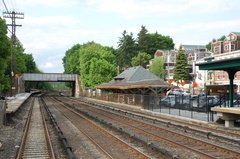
[(189, 115), (199, 117), (13, 103)]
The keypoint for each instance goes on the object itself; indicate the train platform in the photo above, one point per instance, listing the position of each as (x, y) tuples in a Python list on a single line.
[(228, 114), (13, 103), (191, 116)]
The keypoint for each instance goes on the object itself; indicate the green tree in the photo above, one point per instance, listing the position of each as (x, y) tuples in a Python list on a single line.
[(159, 42), (143, 40), (149, 43), (5, 54), (221, 38), (71, 60), (97, 64), (126, 50), (141, 59), (209, 46), (157, 67), (30, 64), (181, 70), (100, 71)]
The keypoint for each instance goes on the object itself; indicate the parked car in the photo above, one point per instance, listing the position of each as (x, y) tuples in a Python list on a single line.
[(175, 91), (186, 93), (168, 101), (202, 93), (206, 102), (236, 103)]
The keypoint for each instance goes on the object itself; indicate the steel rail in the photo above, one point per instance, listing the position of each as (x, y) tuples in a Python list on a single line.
[(93, 140), (36, 140), (171, 122), (181, 144)]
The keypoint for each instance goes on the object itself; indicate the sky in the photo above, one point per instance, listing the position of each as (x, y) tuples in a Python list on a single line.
[(51, 27)]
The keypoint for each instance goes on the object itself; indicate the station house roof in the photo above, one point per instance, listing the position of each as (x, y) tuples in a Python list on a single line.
[(135, 77)]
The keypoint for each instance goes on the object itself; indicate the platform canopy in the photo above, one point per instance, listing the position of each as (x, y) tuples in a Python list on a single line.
[(230, 65), (136, 80)]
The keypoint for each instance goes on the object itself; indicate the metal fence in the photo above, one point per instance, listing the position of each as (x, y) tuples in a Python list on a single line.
[(190, 106)]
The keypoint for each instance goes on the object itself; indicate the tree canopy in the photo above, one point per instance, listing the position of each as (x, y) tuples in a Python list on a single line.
[(23, 62), (157, 67), (5, 55), (97, 64), (181, 70), (150, 42), (94, 63), (142, 59), (71, 60), (129, 48), (126, 50)]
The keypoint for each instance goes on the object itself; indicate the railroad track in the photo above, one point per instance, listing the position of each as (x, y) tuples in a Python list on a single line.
[(210, 130), (160, 135), (107, 143), (35, 141)]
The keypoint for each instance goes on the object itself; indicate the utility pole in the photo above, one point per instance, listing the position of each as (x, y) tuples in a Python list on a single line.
[(13, 15)]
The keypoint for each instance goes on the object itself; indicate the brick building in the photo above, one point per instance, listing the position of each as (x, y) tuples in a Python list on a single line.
[(230, 43), (229, 48)]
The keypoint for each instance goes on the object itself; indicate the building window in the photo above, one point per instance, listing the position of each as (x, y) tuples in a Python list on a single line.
[(218, 75), (233, 47), (210, 75), (226, 47), (223, 74), (216, 49), (232, 37)]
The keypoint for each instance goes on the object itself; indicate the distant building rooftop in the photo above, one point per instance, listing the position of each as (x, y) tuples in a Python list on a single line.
[(135, 77), (193, 47)]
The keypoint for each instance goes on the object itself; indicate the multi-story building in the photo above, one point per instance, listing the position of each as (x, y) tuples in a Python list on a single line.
[(169, 57), (228, 48), (230, 43), (194, 53)]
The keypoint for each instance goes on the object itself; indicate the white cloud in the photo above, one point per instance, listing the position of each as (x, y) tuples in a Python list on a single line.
[(52, 66), (49, 3), (48, 37), (47, 65), (163, 8)]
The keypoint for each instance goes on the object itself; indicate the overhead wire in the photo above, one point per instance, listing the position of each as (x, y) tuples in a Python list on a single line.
[(1, 6), (9, 15), (5, 6)]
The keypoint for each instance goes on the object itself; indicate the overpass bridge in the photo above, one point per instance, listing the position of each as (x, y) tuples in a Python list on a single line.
[(51, 77)]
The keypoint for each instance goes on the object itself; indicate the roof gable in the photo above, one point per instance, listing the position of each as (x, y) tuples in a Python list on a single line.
[(136, 74), (135, 77)]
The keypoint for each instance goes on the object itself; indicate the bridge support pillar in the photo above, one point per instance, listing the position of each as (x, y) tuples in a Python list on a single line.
[(77, 88)]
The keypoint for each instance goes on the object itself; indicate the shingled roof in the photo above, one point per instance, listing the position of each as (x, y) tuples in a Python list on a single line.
[(135, 77)]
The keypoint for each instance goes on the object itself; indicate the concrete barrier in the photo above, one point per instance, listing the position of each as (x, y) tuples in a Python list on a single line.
[(2, 113)]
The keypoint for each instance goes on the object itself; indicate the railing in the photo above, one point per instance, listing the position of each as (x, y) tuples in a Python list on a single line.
[(191, 106)]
